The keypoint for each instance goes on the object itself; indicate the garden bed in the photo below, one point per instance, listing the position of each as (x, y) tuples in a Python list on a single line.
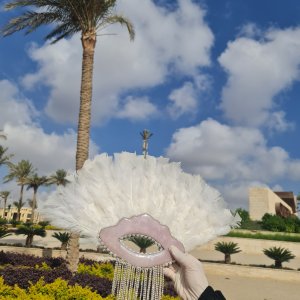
[(22, 274)]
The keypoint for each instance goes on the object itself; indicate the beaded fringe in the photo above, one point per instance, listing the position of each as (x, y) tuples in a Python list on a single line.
[(136, 283)]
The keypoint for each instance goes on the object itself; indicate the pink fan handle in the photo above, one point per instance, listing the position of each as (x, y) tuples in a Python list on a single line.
[(140, 225)]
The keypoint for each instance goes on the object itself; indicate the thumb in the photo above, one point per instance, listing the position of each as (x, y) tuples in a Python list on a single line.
[(169, 273), (179, 256)]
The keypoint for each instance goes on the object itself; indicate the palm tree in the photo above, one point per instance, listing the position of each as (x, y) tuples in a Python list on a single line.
[(20, 172), (34, 182), (227, 249), (70, 17), (146, 135), (4, 232), (59, 178), (30, 231), (4, 158), (279, 254), (19, 206), (4, 195), (142, 242), (63, 237)]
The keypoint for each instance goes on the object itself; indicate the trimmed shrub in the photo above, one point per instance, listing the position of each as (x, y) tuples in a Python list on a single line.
[(59, 290), (103, 270)]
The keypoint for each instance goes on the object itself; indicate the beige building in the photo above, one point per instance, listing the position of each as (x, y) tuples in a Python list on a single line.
[(12, 213), (263, 200)]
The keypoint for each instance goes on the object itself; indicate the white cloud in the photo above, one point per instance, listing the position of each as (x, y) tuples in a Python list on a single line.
[(137, 109), (15, 108), (166, 42), (231, 157), (250, 30), (27, 139), (183, 100), (258, 71)]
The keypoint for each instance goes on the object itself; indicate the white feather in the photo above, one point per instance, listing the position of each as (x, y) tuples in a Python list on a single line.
[(108, 188)]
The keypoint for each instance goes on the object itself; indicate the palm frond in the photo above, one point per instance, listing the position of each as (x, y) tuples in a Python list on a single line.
[(121, 20)]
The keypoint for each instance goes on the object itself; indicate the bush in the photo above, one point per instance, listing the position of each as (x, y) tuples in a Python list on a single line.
[(59, 290), (103, 270), (3, 221), (26, 260), (273, 223), (277, 223), (26, 270)]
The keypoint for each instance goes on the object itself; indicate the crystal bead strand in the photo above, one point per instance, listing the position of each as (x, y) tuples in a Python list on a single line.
[(149, 283), (145, 278), (116, 278), (161, 281)]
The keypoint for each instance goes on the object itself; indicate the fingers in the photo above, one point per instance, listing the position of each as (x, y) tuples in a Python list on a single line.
[(179, 256), (169, 273)]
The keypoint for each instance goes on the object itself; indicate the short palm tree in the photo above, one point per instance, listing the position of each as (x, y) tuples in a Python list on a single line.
[(34, 182), (63, 237), (4, 195), (4, 232), (59, 178), (70, 17), (146, 135), (20, 171), (142, 242), (227, 248), (279, 254), (30, 230)]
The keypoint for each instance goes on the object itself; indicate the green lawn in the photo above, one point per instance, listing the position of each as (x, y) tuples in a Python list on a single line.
[(264, 236)]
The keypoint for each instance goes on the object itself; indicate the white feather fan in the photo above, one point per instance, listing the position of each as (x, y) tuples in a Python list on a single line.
[(108, 188)]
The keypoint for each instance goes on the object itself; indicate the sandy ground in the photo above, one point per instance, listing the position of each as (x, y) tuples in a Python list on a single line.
[(233, 287), (241, 288)]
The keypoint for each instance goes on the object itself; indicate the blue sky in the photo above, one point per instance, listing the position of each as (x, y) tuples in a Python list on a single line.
[(217, 82)]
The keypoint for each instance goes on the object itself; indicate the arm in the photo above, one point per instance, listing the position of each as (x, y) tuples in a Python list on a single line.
[(210, 294)]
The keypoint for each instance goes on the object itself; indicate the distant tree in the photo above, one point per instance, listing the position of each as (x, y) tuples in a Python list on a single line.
[(4, 157), (63, 237), (146, 135), (142, 242), (34, 182), (59, 178), (4, 195), (279, 254), (19, 206), (227, 248), (20, 171), (30, 231)]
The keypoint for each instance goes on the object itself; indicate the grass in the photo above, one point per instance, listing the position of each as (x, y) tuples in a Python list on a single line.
[(264, 236)]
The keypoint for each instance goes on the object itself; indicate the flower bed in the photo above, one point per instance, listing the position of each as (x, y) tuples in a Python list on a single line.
[(48, 278)]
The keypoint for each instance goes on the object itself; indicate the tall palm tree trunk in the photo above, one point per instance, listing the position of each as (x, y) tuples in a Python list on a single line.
[(20, 202), (33, 205), (88, 40), (83, 135)]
